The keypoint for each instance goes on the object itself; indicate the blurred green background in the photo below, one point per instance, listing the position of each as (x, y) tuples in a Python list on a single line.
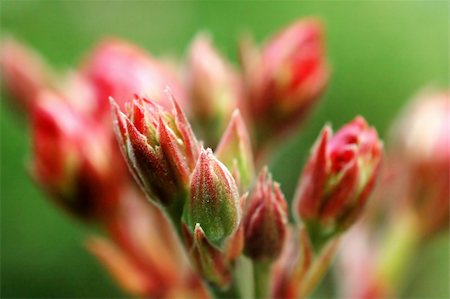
[(381, 54)]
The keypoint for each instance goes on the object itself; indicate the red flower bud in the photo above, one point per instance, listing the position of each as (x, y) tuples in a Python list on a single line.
[(421, 154), (286, 78), (24, 72), (213, 199), (209, 261), (120, 70), (338, 177), (265, 220), (70, 158), (214, 88), (235, 151), (160, 147)]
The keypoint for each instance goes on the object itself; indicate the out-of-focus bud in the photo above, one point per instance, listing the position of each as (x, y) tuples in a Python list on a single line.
[(24, 73), (421, 155), (160, 148), (292, 267), (285, 78), (337, 179), (71, 158), (213, 199), (120, 70), (265, 220), (214, 89), (358, 258), (209, 261), (128, 276), (235, 151)]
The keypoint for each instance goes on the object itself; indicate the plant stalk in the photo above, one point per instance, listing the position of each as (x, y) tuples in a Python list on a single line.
[(261, 275)]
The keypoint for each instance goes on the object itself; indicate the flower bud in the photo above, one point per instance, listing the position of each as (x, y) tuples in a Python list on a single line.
[(120, 70), (235, 151), (235, 243), (70, 158), (285, 78), (421, 155), (160, 147), (213, 199), (338, 178), (265, 220), (209, 261), (24, 73), (214, 88)]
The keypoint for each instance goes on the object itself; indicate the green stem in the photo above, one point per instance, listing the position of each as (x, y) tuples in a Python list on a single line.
[(318, 268), (175, 212), (261, 275), (398, 250), (243, 277)]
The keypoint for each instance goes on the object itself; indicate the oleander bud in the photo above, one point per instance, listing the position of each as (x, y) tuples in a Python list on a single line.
[(213, 201), (209, 261), (337, 179), (265, 220), (285, 78), (159, 146), (214, 88), (235, 151)]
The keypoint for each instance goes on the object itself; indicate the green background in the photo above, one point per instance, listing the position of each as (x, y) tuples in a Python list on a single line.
[(381, 54)]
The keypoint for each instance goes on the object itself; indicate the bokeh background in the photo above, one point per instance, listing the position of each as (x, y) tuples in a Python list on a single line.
[(381, 53)]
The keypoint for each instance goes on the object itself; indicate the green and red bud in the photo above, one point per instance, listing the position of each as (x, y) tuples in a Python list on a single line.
[(214, 89), (285, 78), (235, 151), (70, 158), (213, 199), (209, 260), (265, 220), (338, 178), (160, 148)]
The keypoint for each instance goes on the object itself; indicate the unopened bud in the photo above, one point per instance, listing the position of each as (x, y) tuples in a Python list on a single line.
[(160, 147), (209, 261), (70, 158), (24, 73), (120, 70), (213, 199), (421, 152), (338, 178), (285, 78), (214, 89), (235, 151), (265, 220)]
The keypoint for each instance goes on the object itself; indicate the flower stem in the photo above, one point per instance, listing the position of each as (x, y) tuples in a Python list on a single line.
[(398, 249), (261, 275), (319, 267)]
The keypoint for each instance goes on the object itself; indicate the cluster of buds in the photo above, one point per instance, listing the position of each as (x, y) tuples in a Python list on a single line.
[(210, 200), (76, 159)]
